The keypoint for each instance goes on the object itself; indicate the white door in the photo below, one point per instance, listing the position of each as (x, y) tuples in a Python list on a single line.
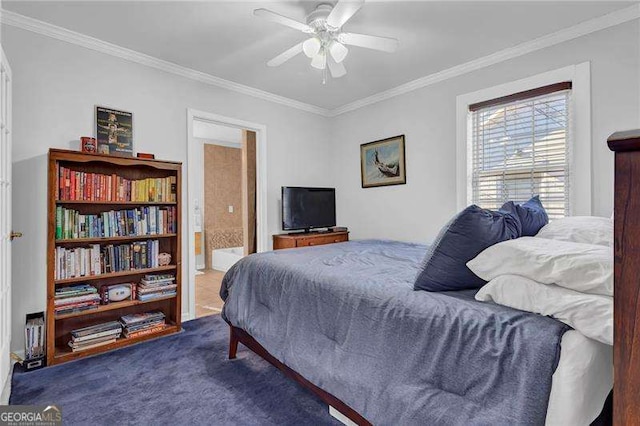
[(5, 219)]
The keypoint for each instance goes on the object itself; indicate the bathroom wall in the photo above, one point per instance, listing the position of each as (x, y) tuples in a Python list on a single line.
[(222, 189)]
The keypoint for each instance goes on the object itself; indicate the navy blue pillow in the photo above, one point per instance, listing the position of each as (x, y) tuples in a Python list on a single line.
[(532, 215), (463, 238)]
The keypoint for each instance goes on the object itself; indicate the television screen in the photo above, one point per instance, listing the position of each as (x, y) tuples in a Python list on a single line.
[(306, 208)]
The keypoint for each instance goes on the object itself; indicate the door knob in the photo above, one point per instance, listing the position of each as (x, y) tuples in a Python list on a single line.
[(15, 235)]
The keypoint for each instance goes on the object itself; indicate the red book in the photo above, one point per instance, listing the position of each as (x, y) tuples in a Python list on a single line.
[(78, 182), (114, 187), (146, 331), (93, 186), (60, 194), (83, 186), (72, 193), (67, 184)]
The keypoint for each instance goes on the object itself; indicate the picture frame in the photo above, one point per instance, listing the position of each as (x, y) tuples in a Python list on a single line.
[(114, 131), (382, 162)]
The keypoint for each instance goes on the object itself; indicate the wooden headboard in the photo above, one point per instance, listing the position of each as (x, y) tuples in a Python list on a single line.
[(626, 346)]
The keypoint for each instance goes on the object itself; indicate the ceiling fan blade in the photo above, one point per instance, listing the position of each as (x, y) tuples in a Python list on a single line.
[(285, 56), (343, 11), (337, 70), (384, 44), (283, 20)]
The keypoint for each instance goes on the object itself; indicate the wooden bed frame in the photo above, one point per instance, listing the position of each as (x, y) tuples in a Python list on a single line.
[(238, 335), (626, 296)]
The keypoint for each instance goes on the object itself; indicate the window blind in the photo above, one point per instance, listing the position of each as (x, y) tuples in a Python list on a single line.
[(520, 147)]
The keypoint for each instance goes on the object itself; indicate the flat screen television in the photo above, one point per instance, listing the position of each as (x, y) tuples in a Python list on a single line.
[(308, 208)]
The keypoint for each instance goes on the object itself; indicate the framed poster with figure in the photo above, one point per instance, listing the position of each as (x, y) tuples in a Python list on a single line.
[(114, 132)]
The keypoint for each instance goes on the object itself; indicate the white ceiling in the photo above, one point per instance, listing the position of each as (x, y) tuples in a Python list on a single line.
[(224, 39)]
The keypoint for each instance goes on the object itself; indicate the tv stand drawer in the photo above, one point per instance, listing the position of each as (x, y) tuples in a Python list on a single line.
[(283, 241), (318, 241)]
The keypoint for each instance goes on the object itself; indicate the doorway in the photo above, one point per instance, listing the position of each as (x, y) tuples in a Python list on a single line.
[(225, 184)]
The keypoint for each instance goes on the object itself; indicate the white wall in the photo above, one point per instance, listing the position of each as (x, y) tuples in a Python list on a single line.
[(416, 211), (56, 86)]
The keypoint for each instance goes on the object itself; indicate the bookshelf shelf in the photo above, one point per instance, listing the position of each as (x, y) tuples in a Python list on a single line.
[(64, 354), (107, 240), (119, 203), (116, 274), (159, 177), (110, 307)]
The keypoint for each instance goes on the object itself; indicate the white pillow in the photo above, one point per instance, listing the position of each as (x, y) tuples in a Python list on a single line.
[(580, 229), (581, 267), (590, 314)]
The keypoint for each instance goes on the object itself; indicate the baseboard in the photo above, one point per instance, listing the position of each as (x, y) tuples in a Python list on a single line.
[(186, 316), (6, 392), (340, 417)]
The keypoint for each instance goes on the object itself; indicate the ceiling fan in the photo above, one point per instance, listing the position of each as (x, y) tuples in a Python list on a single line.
[(326, 45)]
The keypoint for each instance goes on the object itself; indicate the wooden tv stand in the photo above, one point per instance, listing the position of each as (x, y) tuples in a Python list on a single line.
[(302, 239)]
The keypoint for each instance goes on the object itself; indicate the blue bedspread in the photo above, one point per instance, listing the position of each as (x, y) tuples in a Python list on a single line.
[(345, 316)]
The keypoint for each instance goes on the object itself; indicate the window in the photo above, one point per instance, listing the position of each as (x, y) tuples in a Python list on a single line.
[(520, 148)]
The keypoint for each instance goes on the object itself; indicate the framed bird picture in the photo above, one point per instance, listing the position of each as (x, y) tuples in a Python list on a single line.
[(114, 132), (382, 162)]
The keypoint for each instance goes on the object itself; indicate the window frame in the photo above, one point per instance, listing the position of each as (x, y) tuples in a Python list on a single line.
[(579, 177)]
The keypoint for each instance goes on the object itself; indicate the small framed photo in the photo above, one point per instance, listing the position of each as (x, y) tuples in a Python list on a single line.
[(382, 162), (114, 132)]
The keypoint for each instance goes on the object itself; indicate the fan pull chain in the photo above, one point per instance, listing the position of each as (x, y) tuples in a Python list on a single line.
[(324, 75)]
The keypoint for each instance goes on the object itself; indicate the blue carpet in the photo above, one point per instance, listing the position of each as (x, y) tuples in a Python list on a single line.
[(180, 379)]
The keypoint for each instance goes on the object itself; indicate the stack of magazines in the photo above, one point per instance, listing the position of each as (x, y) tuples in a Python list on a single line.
[(136, 325), (156, 286), (34, 338), (95, 335), (76, 298)]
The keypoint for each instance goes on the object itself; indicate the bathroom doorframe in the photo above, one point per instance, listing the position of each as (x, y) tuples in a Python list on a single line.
[(261, 191)]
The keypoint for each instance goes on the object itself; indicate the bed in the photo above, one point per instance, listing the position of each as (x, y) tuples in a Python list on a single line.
[(344, 320)]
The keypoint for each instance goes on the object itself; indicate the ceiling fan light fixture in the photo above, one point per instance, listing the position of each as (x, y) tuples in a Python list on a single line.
[(338, 51), (311, 47), (325, 43), (319, 61)]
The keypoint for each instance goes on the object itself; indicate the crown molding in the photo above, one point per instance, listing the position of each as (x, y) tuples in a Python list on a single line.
[(43, 28), (584, 28)]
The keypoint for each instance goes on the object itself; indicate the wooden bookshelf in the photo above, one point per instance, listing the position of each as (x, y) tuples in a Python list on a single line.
[(64, 353), (117, 204), (130, 273), (102, 240), (60, 326), (109, 307)]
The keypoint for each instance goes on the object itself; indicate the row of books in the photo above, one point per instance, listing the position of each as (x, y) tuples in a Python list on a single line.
[(34, 338), (95, 335), (136, 325), (75, 185), (150, 220), (76, 298), (156, 286), (129, 326), (96, 259)]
